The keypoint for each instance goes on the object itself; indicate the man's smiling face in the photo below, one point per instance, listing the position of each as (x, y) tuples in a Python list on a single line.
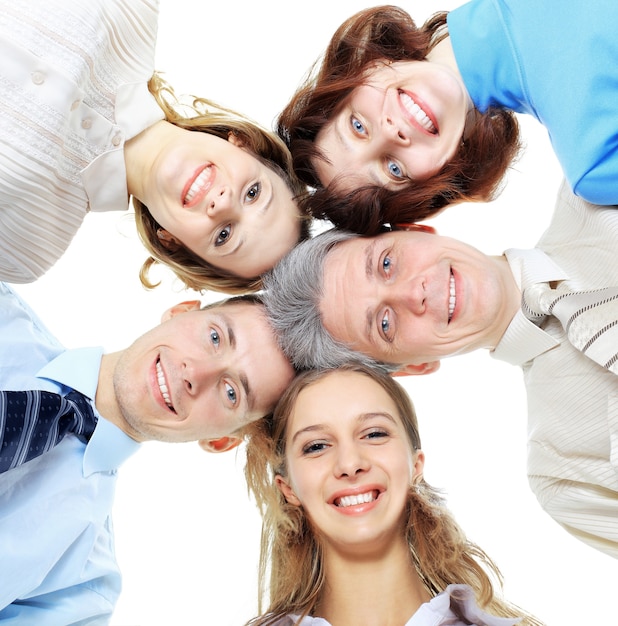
[(201, 374), (412, 297)]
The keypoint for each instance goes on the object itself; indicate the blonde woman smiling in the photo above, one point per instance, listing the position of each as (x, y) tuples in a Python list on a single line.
[(352, 533)]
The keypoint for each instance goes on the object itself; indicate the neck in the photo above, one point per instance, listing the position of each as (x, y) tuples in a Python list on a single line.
[(383, 590), (141, 151), (105, 400), (511, 300), (443, 53)]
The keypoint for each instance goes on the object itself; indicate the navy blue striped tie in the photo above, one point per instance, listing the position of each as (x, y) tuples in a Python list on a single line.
[(33, 422)]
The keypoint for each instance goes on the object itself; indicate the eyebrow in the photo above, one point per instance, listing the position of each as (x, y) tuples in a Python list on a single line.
[(369, 273), (244, 381)]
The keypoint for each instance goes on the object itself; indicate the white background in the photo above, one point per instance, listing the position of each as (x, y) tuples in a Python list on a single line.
[(187, 535)]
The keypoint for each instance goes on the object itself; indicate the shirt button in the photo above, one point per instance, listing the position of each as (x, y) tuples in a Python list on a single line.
[(38, 78), (86, 123), (75, 104), (117, 139)]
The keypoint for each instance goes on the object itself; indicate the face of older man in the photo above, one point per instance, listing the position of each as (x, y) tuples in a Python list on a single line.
[(415, 297)]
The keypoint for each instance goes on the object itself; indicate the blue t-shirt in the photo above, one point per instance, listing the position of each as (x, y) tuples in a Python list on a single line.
[(558, 61)]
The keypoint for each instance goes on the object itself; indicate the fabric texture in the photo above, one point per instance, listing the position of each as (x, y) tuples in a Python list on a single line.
[(437, 612), (73, 90), (572, 401), (33, 422), (590, 318), (58, 564), (546, 59)]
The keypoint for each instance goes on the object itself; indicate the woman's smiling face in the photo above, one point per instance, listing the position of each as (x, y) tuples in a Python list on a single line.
[(220, 201), (349, 461), (405, 123)]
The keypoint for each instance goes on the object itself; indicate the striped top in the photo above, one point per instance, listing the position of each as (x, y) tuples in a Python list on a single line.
[(572, 401), (73, 89)]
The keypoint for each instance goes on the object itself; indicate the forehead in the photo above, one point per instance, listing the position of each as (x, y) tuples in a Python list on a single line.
[(356, 253), (257, 354), (340, 395)]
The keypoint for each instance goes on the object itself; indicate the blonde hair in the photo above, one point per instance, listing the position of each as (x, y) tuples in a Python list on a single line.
[(291, 553), (205, 116)]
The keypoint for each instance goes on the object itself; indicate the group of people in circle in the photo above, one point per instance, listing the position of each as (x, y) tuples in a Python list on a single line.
[(397, 122)]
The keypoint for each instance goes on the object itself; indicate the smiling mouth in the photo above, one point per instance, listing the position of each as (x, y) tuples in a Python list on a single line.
[(452, 298), (163, 387), (355, 500), (417, 113), (199, 186)]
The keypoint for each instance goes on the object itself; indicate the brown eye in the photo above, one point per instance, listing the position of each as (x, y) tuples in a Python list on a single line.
[(254, 192), (224, 235)]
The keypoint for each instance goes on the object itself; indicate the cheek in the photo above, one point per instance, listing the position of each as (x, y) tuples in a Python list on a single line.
[(304, 483)]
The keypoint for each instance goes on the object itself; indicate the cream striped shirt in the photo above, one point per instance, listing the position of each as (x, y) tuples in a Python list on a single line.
[(73, 89), (572, 401)]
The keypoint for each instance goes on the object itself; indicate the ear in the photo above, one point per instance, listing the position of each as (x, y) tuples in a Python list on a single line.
[(223, 444), (236, 140), (168, 241), (419, 466), (423, 228), (417, 370), (181, 307), (286, 490)]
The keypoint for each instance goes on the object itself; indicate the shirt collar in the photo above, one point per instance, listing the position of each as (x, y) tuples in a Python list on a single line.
[(105, 179), (79, 369), (524, 340)]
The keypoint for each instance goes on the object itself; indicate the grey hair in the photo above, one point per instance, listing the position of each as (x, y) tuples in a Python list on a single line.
[(293, 291)]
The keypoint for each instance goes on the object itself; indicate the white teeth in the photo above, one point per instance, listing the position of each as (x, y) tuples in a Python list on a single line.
[(452, 300), (358, 499), (198, 184), (163, 386), (419, 115)]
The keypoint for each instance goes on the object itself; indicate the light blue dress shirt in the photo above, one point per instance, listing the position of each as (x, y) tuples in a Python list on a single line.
[(57, 561)]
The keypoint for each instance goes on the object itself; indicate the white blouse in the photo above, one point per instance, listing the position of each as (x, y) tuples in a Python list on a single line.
[(436, 612), (73, 89)]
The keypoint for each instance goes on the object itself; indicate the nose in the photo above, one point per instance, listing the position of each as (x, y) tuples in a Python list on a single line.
[(350, 461), (221, 203), (394, 132), (410, 294), (196, 376)]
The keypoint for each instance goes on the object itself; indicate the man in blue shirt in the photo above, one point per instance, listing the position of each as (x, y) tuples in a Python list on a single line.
[(200, 375)]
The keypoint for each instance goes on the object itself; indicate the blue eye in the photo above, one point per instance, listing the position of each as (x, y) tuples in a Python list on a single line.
[(224, 235), (386, 264), (214, 337), (254, 192), (231, 393), (357, 126), (385, 325), (394, 170)]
